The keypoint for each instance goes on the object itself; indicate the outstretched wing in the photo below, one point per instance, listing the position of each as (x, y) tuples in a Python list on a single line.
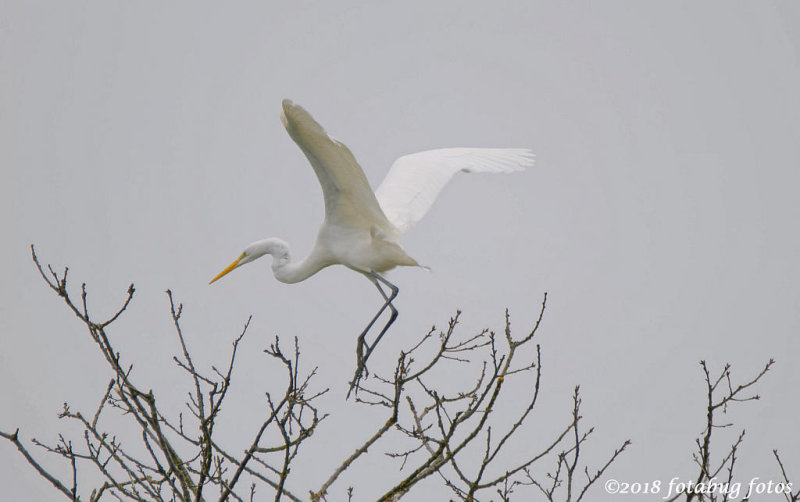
[(415, 180), (349, 200)]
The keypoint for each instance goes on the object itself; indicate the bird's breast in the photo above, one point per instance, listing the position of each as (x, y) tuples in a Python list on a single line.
[(363, 249)]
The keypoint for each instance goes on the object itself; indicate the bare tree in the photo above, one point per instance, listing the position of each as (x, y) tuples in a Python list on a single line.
[(721, 393), (453, 435), (445, 431), (450, 434), (183, 461)]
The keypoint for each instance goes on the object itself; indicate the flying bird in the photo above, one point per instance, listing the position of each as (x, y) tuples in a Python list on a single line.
[(361, 227)]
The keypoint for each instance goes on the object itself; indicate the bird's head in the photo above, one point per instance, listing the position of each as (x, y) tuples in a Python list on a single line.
[(276, 247)]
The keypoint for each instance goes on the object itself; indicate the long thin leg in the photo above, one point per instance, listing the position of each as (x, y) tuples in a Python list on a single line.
[(361, 355), (388, 303)]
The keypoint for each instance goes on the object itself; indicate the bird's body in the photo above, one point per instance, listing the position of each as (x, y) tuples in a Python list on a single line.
[(361, 227), (356, 248)]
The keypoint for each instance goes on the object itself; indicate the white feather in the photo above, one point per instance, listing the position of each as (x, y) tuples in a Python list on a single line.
[(361, 226), (414, 181)]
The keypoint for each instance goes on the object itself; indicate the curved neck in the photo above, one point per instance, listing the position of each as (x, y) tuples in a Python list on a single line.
[(292, 272), (283, 268)]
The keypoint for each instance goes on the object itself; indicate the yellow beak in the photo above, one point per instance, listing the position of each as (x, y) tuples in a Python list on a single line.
[(228, 268)]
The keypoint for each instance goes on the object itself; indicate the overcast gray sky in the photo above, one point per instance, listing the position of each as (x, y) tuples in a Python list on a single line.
[(141, 143)]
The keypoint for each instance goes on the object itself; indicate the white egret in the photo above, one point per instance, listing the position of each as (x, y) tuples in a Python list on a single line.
[(361, 227)]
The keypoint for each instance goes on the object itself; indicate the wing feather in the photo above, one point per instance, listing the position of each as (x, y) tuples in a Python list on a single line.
[(414, 181), (349, 200)]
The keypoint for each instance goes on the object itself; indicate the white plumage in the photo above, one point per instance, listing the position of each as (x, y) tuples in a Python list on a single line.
[(361, 227), (414, 181)]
